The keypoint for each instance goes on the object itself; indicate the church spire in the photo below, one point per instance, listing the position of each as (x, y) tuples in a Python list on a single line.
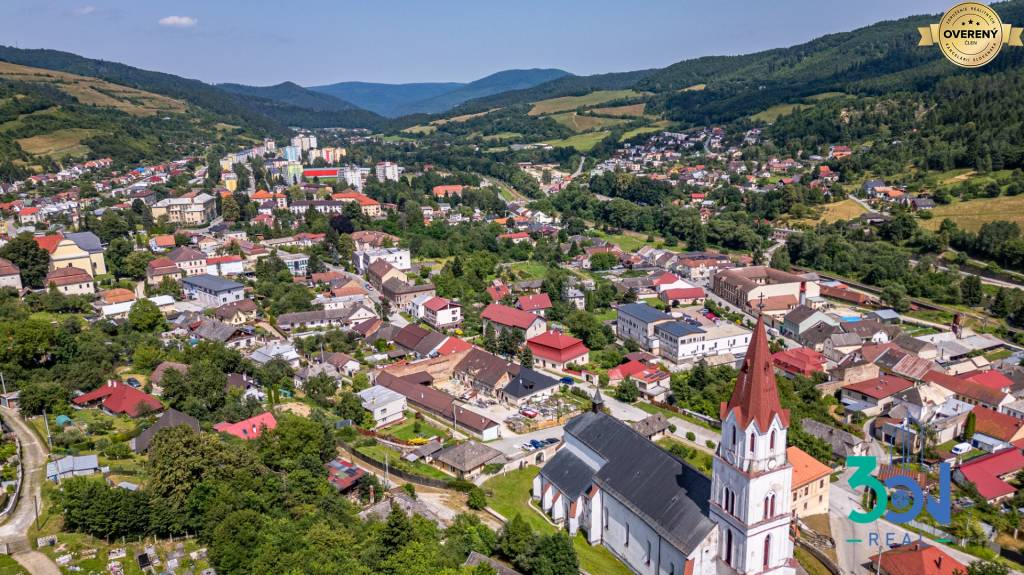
[(756, 396)]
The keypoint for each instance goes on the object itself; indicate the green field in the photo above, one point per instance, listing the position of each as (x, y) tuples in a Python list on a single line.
[(970, 215), (825, 96), (628, 242), (503, 136), (407, 431), (421, 129), (656, 127), (510, 495), (631, 111), (529, 270), (567, 103), (66, 142), (844, 210), (582, 142), (578, 123), (776, 111)]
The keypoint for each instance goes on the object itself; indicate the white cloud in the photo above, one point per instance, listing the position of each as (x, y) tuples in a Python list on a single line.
[(178, 21), (85, 10)]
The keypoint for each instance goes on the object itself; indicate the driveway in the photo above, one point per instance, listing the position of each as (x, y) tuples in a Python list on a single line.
[(14, 532)]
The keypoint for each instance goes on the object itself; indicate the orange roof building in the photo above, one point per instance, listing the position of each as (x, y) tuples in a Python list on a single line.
[(811, 482)]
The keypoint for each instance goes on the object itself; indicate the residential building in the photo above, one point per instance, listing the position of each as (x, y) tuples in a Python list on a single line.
[(799, 361), (159, 268), (212, 291), (991, 474), (10, 275), (917, 558), (237, 313), (297, 263), (250, 428), (72, 466), (168, 420), (556, 350), (872, 396), (118, 398), (191, 209), (225, 265), (190, 261), (811, 483), (381, 271), (367, 205), (844, 444), (442, 405), (803, 318), (398, 257), (502, 317), (71, 281), (637, 321), (401, 294), (387, 171), (387, 406), (466, 460), (441, 313)]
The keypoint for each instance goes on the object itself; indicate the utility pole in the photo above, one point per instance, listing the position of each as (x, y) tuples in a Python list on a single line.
[(46, 424), (35, 503), (3, 382)]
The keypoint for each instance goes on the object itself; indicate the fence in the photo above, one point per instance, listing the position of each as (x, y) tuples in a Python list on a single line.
[(401, 474), (12, 502), (824, 559)]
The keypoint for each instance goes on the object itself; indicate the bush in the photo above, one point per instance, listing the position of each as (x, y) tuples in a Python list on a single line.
[(477, 498), (410, 490), (492, 468), (691, 436), (672, 427), (710, 444), (461, 485)]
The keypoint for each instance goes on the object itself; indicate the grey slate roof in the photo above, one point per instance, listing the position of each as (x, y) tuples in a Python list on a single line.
[(570, 474), (88, 241), (679, 329), (643, 312), (212, 283), (669, 494), (648, 426), (528, 382), (467, 456), (170, 418)]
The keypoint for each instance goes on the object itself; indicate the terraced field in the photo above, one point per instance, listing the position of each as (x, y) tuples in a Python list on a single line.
[(60, 143), (581, 123), (566, 103)]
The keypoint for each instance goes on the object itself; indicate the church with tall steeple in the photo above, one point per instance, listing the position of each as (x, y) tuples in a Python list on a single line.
[(661, 516)]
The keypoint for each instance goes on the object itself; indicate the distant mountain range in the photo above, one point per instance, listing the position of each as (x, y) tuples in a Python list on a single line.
[(394, 100)]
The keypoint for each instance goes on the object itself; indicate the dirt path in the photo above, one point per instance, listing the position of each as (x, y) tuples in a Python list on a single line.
[(14, 532)]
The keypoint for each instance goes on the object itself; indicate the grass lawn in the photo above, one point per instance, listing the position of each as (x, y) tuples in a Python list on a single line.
[(407, 431), (998, 354), (66, 142), (566, 103), (394, 459), (510, 495), (9, 566), (656, 127), (629, 242), (605, 314), (773, 113), (844, 210), (503, 136), (632, 110), (582, 142), (809, 562), (578, 123), (529, 270), (934, 316), (972, 214), (420, 129), (651, 408), (700, 460)]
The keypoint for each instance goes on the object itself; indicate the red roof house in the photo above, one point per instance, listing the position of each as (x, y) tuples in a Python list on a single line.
[(537, 303), (509, 317), (248, 428), (917, 558), (997, 425), (497, 290), (555, 349), (988, 473), (450, 190), (991, 379), (800, 361), (119, 398)]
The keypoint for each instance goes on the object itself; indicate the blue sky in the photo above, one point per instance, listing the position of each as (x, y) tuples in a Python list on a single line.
[(317, 42)]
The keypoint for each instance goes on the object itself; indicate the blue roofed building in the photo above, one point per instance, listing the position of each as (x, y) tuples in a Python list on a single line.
[(636, 322), (212, 291)]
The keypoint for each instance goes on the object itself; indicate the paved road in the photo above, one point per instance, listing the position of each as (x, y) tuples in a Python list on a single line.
[(864, 204), (14, 531), (580, 168), (854, 555)]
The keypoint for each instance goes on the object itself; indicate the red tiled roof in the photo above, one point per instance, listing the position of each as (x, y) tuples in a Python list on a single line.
[(68, 276), (453, 345), (881, 387), (556, 346), (117, 397), (497, 292), (508, 316), (534, 302), (805, 468), (440, 191), (998, 425), (514, 236), (435, 400), (437, 303), (7, 268), (248, 428), (802, 360), (223, 260), (966, 388), (918, 559), (985, 472), (684, 293), (666, 278), (49, 243), (991, 379), (756, 395)]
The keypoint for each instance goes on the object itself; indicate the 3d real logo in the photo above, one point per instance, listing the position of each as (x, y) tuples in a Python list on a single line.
[(908, 497), (970, 34)]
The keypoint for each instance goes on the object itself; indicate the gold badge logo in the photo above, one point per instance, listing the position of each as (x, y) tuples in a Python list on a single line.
[(970, 34)]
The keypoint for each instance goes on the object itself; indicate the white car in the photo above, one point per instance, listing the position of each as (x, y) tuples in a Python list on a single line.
[(961, 448)]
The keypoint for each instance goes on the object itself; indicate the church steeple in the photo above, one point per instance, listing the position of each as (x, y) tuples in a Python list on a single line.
[(756, 396)]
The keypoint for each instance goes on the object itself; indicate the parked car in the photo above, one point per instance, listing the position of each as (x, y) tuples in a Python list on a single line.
[(536, 444), (528, 447), (133, 382), (531, 413)]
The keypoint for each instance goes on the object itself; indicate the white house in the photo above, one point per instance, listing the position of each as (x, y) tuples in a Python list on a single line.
[(681, 342), (441, 313), (636, 321), (400, 258), (212, 291), (386, 406)]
